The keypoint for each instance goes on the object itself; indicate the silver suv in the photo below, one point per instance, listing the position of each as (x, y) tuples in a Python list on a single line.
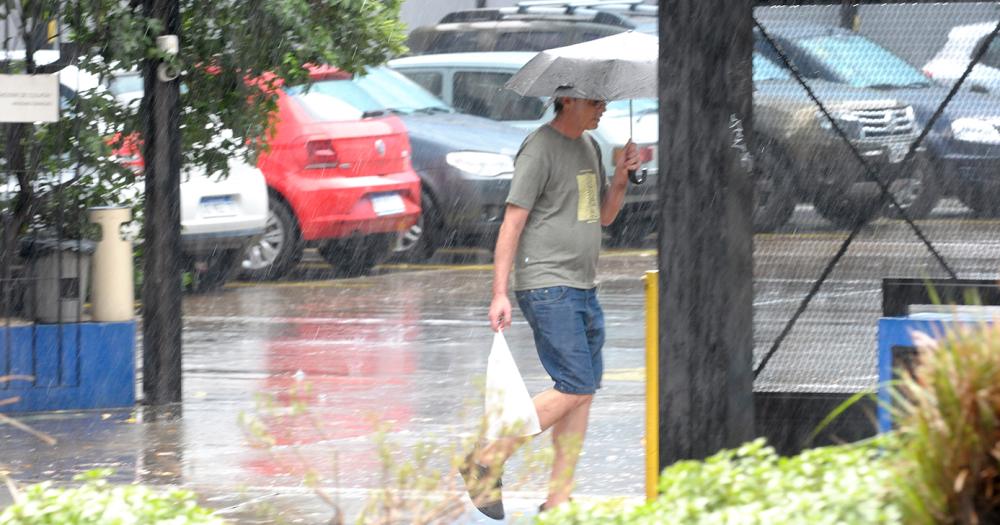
[(531, 26)]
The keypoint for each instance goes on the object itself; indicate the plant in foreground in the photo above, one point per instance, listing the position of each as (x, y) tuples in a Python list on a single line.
[(847, 484), (948, 413), (98, 502)]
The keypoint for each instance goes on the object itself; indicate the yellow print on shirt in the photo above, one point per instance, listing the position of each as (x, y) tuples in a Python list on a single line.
[(588, 209)]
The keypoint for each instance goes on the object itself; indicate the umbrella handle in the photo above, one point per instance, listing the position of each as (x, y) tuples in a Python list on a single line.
[(637, 178)]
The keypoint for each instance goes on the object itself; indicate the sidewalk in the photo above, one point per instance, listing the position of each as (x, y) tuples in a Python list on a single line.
[(398, 348), (248, 485)]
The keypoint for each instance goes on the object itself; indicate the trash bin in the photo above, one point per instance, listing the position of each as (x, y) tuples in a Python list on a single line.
[(113, 294), (58, 271)]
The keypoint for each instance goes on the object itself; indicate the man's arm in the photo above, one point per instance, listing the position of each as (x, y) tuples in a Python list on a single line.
[(615, 196), (514, 220)]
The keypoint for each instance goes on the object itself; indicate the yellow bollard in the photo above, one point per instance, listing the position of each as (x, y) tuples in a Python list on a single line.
[(112, 291), (652, 279)]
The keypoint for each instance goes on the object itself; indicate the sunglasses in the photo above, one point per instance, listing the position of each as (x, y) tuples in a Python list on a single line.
[(598, 103)]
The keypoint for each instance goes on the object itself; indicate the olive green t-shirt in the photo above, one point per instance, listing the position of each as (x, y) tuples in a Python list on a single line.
[(561, 182)]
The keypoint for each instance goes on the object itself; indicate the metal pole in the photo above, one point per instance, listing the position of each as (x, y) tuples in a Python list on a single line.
[(652, 280), (161, 290), (705, 229)]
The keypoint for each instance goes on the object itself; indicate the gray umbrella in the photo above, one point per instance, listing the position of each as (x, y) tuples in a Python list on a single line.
[(616, 67)]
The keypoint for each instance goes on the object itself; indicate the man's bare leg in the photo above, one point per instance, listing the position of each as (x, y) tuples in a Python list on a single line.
[(552, 406), (567, 438)]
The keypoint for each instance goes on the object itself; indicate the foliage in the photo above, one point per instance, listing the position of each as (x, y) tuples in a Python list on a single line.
[(949, 419), (98, 502), (845, 484), (223, 44)]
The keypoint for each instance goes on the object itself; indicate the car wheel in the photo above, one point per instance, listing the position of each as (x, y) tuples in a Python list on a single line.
[(773, 196), (356, 256), (629, 231), (212, 272), (420, 241), (278, 250), (980, 199), (916, 194), (851, 208)]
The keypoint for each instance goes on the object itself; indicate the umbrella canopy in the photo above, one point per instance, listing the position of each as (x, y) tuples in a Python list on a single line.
[(616, 67)]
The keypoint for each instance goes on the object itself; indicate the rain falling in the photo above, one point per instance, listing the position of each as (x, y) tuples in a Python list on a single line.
[(260, 252)]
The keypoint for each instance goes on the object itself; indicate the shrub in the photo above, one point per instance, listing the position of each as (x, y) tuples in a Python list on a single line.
[(847, 484), (949, 421), (98, 502)]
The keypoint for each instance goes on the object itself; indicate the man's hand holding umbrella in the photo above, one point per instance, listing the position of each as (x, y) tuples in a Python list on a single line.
[(629, 160)]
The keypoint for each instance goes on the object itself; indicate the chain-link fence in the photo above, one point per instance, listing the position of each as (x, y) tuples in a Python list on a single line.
[(909, 190)]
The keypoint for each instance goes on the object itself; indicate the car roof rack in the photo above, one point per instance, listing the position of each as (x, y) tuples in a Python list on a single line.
[(631, 7), (580, 10), (472, 15)]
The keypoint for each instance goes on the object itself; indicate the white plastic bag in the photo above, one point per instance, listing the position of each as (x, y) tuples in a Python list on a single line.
[(510, 412)]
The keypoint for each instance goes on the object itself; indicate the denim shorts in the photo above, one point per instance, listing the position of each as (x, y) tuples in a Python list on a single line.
[(568, 325)]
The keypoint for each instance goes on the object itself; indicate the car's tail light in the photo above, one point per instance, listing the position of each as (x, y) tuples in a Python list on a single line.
[(647, 153), (320, 154)]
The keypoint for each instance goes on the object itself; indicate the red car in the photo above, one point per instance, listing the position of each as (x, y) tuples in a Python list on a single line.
[(339, 177)]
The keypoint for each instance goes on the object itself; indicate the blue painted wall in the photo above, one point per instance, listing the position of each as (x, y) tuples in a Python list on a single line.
[(72, 366)]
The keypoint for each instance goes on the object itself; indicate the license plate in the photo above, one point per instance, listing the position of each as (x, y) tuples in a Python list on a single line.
[(223, 206), (897, 152), (388, 204)]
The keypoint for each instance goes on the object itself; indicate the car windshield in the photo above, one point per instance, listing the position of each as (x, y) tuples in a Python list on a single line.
[(764, 69), (380, 91), (861, 62), (394, 91)]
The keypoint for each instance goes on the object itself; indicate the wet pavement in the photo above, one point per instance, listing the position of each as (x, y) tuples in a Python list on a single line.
[(406, 350), (327, 367)]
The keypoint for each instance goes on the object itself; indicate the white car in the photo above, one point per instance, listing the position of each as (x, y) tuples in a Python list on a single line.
[(473, 83), (220, 220), (952, 60)]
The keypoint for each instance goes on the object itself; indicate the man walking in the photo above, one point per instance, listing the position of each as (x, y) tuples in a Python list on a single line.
[(551, 236)]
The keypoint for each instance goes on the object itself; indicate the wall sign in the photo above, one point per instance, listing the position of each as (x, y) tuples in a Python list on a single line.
[(29, 98)]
